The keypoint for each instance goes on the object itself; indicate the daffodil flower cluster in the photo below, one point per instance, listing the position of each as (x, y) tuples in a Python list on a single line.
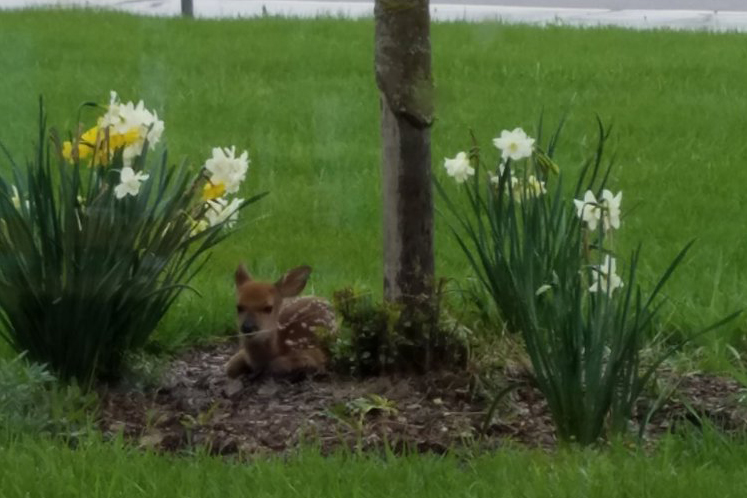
[(606, 210), (604, 276), (128, 128), (132, 128), (110, 199), (531, 187), (549, 267), (124, 126), (514, 145), (225, 171)]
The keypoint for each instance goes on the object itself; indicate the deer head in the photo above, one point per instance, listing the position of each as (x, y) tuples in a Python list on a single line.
[(258, 304)]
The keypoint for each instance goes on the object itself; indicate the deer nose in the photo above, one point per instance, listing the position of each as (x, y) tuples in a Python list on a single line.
[(249, 326)]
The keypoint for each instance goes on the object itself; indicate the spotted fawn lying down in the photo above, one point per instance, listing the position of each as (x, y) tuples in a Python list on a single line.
[(278, 330)]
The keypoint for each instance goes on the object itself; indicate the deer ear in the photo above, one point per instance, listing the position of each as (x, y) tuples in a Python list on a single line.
[(242, 276), (293, 282)]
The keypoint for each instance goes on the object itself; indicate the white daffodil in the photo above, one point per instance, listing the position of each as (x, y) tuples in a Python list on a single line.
[(220, 210), (606, 209), (111, 117), (147, 122), (224, 167), (589, 210), (611, 209), (134, 124), (514, 144), (124, 118), (129, 182), (604, 277), (459, 167), (131, 151)]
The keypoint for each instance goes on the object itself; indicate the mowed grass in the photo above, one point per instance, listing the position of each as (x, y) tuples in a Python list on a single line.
[(691, 469), (301, 96)]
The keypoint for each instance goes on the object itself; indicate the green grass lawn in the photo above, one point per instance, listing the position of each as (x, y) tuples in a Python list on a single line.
[(691, 469), (301, 96)]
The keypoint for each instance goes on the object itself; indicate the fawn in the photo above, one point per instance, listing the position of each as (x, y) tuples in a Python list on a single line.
[(278, 333)]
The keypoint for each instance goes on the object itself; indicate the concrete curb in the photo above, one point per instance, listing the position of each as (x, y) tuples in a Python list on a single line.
[(634, 19)]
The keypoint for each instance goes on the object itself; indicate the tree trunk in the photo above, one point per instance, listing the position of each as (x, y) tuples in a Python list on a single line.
[(187, 9), (403, 75)]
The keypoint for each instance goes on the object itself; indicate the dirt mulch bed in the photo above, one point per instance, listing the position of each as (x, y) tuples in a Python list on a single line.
[(195, 404)]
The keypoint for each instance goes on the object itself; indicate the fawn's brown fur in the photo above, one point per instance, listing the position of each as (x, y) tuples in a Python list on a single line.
[(277, 332)]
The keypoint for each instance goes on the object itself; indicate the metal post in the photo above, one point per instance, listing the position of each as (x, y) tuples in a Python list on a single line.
[(187, 8)]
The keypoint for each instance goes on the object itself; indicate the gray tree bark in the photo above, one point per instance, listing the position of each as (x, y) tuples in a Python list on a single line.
[(403, 76), (187, 8)]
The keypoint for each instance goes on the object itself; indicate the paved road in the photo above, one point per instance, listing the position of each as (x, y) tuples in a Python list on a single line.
[(702, 5), (715, 15), (729, 5)]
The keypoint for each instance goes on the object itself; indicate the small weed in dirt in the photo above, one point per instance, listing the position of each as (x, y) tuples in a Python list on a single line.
[(354, 412)]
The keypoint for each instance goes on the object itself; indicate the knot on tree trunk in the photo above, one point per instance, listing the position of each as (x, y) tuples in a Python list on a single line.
[(403, 59)]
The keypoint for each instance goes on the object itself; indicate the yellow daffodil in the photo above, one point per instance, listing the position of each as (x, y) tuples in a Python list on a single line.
[(89, 137), (213, 191), (86, 144)]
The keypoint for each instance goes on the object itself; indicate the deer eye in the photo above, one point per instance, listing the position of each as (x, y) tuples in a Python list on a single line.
[(240, 309), (267, 309)]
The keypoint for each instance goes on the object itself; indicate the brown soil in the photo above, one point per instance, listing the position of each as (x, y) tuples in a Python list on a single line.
[(195, 404)]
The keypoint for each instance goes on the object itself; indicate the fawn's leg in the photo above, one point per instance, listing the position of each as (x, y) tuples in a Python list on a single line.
[(298, 363), (238, 365)]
